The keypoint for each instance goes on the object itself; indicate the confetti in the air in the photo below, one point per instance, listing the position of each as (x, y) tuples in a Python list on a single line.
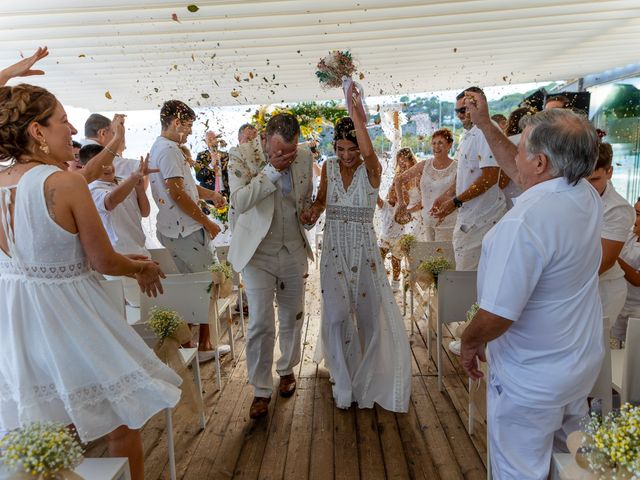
[(108, 95), (174, 17), (193, 8)]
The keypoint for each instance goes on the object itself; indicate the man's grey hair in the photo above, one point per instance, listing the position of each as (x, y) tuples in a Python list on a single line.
[(567, 139), (95, 123)]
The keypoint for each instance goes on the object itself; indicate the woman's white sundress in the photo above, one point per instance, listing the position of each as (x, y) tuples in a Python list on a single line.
[(362, 334), (66, 354)]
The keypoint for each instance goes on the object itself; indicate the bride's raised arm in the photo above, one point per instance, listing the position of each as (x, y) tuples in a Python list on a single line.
[(371, 162)]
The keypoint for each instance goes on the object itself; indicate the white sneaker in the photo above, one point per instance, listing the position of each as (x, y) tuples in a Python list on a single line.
[(223, 349), (454, 347), (206, 355)]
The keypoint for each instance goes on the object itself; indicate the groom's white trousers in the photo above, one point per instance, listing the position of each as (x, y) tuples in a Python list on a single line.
[(265, 276)]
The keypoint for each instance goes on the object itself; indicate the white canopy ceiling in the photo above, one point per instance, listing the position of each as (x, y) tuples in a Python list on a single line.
[(267, 50)]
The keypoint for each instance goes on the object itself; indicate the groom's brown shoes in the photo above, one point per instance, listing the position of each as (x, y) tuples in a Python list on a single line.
[(287, 385), (259, 407)]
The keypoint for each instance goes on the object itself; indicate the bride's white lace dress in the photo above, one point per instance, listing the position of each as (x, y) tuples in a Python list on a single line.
[(362, 335), (66, 354)]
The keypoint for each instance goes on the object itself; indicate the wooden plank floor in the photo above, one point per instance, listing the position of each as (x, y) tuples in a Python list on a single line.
[(306, 437)]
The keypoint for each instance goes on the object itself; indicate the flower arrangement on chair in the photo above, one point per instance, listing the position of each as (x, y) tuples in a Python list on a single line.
[(428, 271), (44, 450), (609, 447)]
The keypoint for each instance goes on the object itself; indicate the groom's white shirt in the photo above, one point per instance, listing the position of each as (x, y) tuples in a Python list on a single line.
[(252, 182)]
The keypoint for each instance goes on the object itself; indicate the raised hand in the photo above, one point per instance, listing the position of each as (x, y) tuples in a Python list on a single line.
[(23, 67), (477, 107), (144, 169)]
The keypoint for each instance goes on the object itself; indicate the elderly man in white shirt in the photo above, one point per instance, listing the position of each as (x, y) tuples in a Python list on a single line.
[(540, 315)]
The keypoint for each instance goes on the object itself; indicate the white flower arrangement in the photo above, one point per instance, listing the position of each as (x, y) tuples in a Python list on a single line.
[(164, 322), (433, 266), (223, 268), (40, 449), (406, 241), (612, 444)]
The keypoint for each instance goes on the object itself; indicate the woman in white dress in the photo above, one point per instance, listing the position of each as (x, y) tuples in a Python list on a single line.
[(66, 354), (390, 230), (362, 335), (434, 176)]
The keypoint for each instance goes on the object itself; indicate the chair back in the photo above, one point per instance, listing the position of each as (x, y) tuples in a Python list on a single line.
[(456, 293), (420, 251), (631, 368), (115, 291), (164, 259), (187, 294), (602, 387)]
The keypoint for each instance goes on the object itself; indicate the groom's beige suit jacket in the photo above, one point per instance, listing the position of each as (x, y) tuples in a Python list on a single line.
[(252, 198)]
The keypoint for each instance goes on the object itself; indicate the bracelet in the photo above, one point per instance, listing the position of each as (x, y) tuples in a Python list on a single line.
[(111, 151)]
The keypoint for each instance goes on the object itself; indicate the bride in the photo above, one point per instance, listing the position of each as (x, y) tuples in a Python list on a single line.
[(362, 334)]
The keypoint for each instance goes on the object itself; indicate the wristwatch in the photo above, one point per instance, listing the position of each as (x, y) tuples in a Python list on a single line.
[(457, 202)]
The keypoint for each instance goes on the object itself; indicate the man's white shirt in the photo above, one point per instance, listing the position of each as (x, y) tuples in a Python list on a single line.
[(123, 223), (166, 156), (618, 219), (472, 155), (539, 269)]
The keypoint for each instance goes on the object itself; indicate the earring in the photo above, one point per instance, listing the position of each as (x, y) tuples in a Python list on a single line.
[(45, 148)]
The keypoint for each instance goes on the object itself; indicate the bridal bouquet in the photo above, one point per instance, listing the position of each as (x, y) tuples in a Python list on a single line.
[(335, 71), (42, 450)]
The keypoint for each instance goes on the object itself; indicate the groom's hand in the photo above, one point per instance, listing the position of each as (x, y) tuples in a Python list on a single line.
[(282, 161), (309, 216)]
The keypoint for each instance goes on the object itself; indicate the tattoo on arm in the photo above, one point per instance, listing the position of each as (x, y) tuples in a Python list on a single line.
[(48, 197)]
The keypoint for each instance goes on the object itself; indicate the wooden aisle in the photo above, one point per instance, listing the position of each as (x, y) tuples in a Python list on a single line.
[(306, 437)]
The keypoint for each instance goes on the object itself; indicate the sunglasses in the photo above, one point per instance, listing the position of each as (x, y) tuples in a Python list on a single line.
[(460, 111)]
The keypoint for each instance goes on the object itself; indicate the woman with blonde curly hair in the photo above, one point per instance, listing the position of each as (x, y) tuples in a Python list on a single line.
[(66, 354)]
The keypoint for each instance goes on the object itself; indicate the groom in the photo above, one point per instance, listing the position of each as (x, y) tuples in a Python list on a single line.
[(271, 183)]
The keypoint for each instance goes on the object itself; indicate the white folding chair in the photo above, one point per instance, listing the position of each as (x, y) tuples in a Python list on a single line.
[(625, 365), (190, 357), (164, 259), (456, 293), (191, 296), (419, 252), (115, 291), (602, 387), (223, 252)]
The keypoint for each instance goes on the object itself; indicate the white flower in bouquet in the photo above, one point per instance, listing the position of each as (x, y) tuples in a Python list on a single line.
[(40, 449)]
